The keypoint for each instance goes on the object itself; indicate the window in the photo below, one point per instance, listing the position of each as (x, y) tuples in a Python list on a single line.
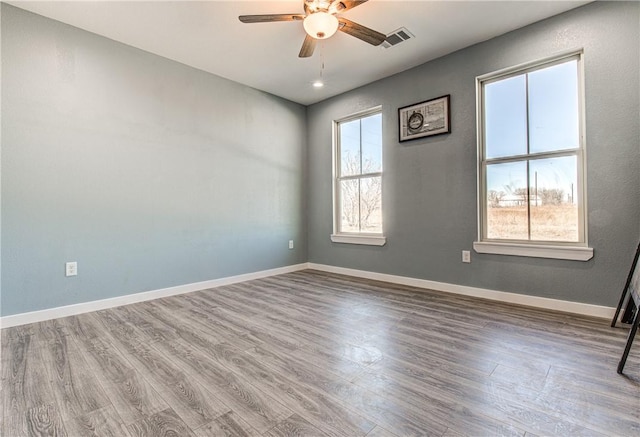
[(531, 161), (358, 179)]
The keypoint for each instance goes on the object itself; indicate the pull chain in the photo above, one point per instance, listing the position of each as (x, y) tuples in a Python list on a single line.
[(320, 82)]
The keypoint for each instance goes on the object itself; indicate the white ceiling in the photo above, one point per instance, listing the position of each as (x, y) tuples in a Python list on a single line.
[(208, 35)]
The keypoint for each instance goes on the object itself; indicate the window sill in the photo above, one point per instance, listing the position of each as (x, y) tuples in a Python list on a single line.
[(368, 240), (574, 253)]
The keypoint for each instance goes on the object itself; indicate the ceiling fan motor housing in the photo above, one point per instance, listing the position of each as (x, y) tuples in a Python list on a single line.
[(320, 25)]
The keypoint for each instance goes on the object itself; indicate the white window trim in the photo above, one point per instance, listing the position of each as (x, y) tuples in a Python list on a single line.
[(367, 239), (573, 253), (578, 251)]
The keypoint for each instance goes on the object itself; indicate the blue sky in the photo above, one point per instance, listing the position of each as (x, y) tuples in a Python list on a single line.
[(371, 130), (553, 125)]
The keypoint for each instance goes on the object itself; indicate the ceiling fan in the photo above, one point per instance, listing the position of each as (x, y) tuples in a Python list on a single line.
[(320, 21)]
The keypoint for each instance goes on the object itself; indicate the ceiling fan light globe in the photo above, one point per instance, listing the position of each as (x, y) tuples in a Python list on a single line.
[(320, 25)]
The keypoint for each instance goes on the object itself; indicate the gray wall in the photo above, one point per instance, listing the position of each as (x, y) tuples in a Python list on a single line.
[(152, 174), (429, 189), (148, 173)]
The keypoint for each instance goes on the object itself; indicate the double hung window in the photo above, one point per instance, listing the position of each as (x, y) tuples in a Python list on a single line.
[(358, 179), (531, 160)]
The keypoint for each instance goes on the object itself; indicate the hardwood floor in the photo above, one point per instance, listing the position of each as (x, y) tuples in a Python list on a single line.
[(316, 354)]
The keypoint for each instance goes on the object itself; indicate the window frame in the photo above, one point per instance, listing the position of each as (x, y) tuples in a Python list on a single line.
[(364, 238), (579, 250)]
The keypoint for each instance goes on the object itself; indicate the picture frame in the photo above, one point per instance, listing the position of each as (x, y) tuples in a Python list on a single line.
[(425, 119)]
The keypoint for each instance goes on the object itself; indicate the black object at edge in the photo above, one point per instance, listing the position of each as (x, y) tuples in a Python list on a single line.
[(634, 301)]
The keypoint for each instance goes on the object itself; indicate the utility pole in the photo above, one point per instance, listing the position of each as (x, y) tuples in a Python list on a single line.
[(572, 193), (536, 189)]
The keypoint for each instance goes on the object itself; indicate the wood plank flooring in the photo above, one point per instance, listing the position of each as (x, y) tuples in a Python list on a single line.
[(317, 354)]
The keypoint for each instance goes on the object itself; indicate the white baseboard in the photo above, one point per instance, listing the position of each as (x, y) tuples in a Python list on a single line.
[(85, 307), (521, 299), (502, 296)]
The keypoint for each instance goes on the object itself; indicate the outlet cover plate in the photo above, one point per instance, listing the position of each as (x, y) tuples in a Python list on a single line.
[(71, 269)]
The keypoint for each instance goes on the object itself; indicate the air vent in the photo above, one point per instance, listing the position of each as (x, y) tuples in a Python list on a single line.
[(396, 37)]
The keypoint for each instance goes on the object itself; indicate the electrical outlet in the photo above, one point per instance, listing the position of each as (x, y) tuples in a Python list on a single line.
[(290, 244), (71, 269), (466, 256)]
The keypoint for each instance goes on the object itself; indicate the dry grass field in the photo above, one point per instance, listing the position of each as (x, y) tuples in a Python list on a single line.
[(548, 223)]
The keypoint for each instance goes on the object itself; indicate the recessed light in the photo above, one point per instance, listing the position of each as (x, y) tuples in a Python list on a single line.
[(318, 84)]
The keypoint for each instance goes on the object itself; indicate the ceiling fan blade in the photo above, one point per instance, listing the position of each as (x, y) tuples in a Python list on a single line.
[(361, 32), (270, 18), (308, 46), (344, 5)]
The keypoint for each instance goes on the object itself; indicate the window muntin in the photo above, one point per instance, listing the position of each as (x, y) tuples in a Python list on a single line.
[(358, 174), (531, 154)]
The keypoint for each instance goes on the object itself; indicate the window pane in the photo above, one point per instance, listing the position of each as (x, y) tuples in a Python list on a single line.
[(554, 208), (359, 191), (505, 117), (372, 144), (350, 148), (350, 206), (371, 204), (553, 108), (507, 201)]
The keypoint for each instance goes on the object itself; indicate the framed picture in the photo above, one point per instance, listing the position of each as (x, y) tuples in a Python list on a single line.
[(425, 119)]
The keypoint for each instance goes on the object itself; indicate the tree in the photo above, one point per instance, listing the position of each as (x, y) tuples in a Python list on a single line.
[(523, 194), (551, 196), (361, 197), (495, 197)]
